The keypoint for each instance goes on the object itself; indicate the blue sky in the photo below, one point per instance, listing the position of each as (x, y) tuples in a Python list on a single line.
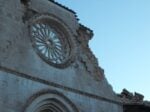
[(121, 40)]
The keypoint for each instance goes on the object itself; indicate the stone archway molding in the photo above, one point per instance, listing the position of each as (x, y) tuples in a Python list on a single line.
[(49, 101)]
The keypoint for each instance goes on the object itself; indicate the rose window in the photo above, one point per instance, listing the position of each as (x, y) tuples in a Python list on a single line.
[(50, 43)]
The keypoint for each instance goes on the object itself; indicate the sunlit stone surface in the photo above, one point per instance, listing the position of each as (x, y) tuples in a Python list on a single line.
[(49, 67)]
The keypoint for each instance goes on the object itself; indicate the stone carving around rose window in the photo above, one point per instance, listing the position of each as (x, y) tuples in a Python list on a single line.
[(51, 40)]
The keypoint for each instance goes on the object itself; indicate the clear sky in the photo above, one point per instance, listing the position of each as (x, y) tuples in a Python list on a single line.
[(121, 40)]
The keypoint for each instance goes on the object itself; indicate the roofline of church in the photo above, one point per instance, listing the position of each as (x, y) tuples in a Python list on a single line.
[(72, 11), (86, 29)]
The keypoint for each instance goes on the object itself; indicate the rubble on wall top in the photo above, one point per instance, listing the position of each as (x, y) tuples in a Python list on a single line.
[(130, 98)]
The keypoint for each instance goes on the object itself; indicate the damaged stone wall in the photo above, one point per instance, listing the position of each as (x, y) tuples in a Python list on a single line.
[(23, 73), (134, 102), (86, 57)]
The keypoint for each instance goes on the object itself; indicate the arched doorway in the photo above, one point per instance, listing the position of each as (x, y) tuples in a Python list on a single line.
[(50, 101)]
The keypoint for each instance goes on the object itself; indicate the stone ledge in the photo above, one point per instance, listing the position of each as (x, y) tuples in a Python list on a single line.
[(13, 72)]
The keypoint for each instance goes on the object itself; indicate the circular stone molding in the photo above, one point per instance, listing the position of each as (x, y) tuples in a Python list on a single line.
[(52, 40), (50, 102)]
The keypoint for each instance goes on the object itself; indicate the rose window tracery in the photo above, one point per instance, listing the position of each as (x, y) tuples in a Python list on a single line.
[(51, 41)]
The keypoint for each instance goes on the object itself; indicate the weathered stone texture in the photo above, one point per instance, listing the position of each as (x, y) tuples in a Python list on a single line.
[(24, 73)]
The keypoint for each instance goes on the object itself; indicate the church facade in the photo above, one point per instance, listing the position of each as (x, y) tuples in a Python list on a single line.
[(46, 64)]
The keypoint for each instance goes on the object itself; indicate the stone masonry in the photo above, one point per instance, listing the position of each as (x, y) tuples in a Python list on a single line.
[(30, 82)]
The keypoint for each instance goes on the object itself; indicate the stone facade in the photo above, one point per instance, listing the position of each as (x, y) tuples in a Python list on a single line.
[(30, 82)]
